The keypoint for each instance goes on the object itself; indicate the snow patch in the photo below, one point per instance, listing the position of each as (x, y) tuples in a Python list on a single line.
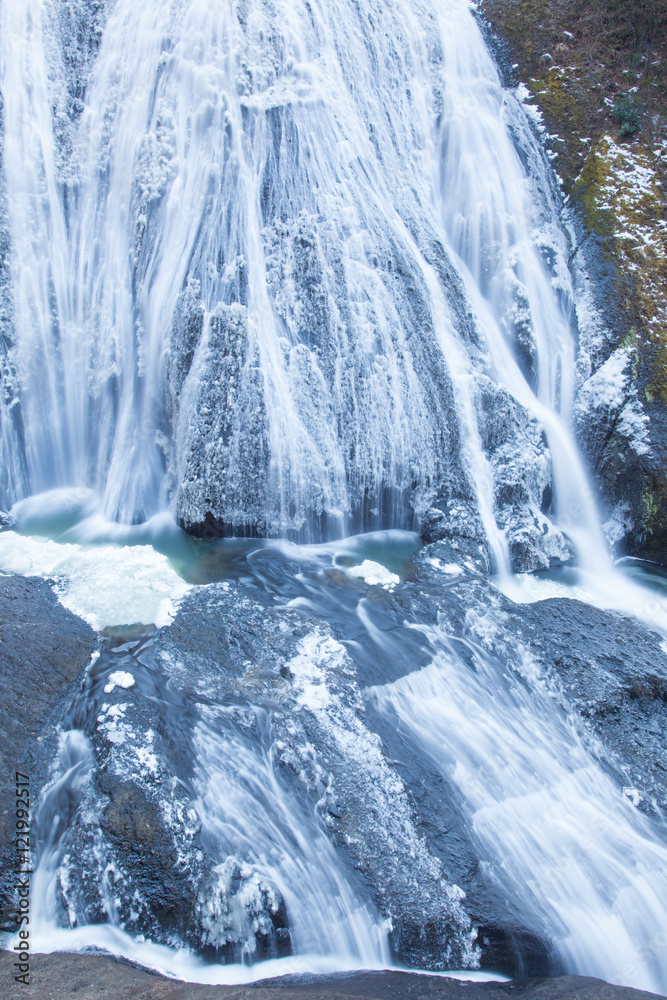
[(110, 724), (119, 678), (104, 584), (609, 393), (452, 569), (374, 574), (533, 112)]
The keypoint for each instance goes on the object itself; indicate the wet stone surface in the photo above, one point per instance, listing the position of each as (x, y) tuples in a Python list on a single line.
[(44, 650), (89, 977), (200, 762)]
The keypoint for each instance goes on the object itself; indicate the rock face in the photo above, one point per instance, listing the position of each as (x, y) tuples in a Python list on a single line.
[(595, 75), (340, 406), (514, 442), (12, 471), (44, 650), (317, 365), (136, 857), (170, 767), (331, 347), (614, 672), (608, 668), (329, 339), (223, 454)]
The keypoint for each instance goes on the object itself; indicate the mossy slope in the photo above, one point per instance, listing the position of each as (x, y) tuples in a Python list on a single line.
[(597, 70)]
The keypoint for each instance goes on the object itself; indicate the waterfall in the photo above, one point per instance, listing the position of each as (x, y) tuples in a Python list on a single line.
[(296, 270), (286, 268)]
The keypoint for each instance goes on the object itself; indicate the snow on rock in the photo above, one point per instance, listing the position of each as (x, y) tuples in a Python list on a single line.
[(119, 678), (608, 404), (374, 574), (366, 802)]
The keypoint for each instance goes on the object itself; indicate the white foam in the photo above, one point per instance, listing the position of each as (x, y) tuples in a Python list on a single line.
[(634, 796), (552, 827), (613, 592), (104, 584)]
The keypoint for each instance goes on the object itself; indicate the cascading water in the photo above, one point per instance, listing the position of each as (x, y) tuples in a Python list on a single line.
[(273, 266), (546, 815), (297, 269)]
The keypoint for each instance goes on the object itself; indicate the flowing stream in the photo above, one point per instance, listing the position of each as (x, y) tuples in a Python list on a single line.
[(296, 269)]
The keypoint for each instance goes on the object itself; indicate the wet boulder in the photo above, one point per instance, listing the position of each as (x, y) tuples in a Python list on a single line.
[(133, 853), (44, 650)]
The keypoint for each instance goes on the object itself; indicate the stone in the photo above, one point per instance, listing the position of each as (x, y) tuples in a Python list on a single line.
[(44, 651)]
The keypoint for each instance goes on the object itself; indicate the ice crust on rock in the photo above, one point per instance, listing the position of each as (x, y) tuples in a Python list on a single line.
[(87, 578), (608, 401)]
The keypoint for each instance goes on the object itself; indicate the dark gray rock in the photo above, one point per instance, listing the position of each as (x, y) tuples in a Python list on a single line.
[(615, 437), (137, 827), (96, 977), (228, 647), (243, 685), (613, 671), (44, 650), (609, 670), (188, 325), (222, 457)]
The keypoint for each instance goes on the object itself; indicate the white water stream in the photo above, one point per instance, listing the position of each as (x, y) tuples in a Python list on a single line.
[(547, 817)]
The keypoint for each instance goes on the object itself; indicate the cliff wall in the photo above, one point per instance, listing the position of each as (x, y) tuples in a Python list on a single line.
[(594, 74)]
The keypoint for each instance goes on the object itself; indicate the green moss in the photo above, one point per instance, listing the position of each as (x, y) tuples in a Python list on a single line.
[(588, 187), (619, 194), (626, 114), (578, 54), (629, 342), (650, 510), (654, 502)]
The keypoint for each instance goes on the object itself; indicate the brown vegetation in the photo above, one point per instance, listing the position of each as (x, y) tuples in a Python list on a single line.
[(597, 69), (591, 64)]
